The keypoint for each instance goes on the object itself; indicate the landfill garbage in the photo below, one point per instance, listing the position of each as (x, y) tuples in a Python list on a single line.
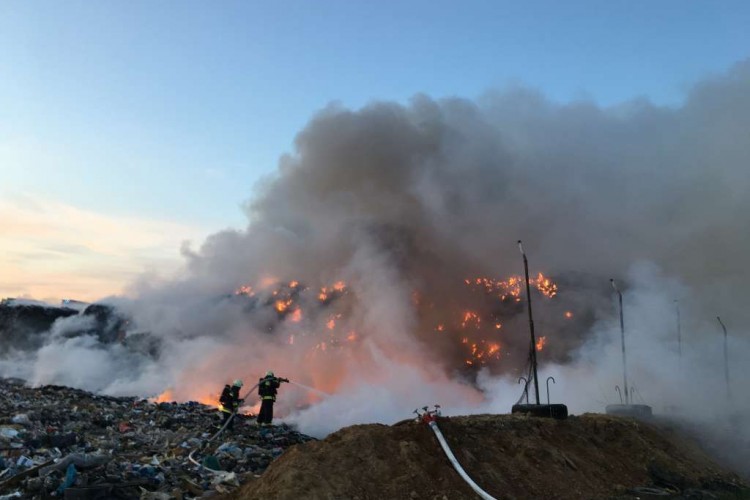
[(152, 495), (82, 460), (21, 418), (211, 462), (8, 432), (68, 443), (226, 478), (24, 462), (70, 478)]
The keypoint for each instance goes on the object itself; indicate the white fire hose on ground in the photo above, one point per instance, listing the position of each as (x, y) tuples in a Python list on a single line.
[(430, 418), (231, 417)]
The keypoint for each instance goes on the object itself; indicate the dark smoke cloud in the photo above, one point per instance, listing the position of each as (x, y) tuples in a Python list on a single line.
[(449, 185)]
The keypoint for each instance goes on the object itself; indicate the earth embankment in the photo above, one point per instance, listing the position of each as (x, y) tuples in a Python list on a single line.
[(511, 457)]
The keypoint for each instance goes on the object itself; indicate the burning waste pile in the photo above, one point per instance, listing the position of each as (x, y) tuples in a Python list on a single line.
[(74, 444)]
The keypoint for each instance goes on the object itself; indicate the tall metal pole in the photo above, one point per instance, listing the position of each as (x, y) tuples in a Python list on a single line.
[(679, 331), (622, 336), (726, 357), (531, 321)]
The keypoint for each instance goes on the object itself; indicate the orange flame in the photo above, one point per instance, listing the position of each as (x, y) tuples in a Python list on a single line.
[(209, 400), (545, 285), (493, 348), (283, 305), (268, 281), (245, 290), (297, 315), (471, 317), (540, 343), (168, 396), (512, 287), (165, 397)]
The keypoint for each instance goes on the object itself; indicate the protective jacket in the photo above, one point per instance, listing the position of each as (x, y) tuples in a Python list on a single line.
[(230, 399), (268, 387)]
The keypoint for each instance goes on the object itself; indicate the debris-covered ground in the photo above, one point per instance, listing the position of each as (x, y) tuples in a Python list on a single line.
[(511, 457), (67, 443), (57, 442)]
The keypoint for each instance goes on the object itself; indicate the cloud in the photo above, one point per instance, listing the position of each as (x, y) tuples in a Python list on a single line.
[(50, 249)]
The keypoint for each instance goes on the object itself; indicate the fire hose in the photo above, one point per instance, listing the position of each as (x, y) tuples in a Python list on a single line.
[(430, 418), (214, 471), (231, 417)]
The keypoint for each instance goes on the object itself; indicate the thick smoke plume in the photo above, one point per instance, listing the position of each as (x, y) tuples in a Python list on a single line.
[(402, 203)]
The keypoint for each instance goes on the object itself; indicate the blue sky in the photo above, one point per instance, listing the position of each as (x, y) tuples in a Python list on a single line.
[(169, 111)]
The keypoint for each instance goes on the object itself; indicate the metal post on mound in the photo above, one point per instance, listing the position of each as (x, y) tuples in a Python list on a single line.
[(531, 321), (726, 358), (679, 333), (622, 336), (557, 411), (629, 409)]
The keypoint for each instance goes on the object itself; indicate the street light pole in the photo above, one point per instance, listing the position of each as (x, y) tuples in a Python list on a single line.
[(726, 358), (622, 336), (531, 321)]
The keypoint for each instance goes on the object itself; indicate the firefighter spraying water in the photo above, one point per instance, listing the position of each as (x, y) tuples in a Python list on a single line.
[(267, 389)]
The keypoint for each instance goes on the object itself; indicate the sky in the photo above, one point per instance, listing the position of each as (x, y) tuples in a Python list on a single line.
[(129, 127)]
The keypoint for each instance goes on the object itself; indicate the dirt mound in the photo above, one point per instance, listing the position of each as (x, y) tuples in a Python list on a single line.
[(591, 456)]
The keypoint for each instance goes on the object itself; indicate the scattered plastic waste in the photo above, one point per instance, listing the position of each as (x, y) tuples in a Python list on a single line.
[(70, 478), (68, 443)]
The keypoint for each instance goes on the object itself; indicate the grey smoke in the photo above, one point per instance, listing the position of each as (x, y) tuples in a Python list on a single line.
[(403, 202), (452, 183)]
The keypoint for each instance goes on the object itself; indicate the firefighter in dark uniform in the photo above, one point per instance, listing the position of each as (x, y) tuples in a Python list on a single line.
[(267, 388), (229, 402)]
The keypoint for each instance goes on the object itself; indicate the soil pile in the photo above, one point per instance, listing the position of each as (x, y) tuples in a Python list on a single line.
[(511, 457)]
